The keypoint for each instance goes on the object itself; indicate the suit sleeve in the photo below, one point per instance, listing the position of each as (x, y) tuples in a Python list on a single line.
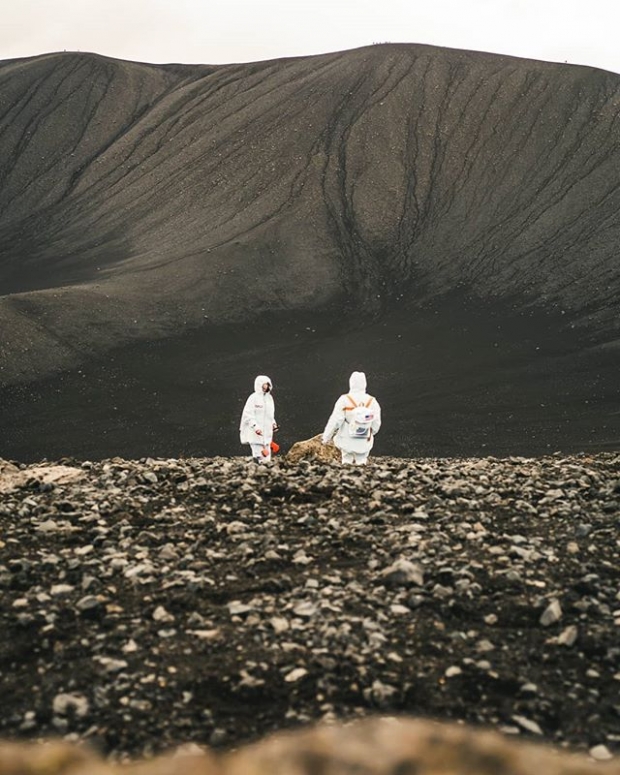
[(335, 421), (248, 416)]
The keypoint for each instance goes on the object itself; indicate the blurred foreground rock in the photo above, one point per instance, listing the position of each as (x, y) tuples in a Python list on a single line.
[(378, 746), (313, 449)]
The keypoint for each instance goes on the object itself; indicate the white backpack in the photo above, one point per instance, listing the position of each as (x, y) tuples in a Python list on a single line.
[(359, 418)]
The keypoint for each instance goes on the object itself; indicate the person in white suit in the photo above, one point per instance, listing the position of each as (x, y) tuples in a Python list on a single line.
[(354, 422), (258, 420)]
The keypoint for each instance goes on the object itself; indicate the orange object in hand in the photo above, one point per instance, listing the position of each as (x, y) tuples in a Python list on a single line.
[(274, 447)]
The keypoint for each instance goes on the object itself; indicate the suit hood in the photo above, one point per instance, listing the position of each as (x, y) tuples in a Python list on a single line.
[(357, 382), (260, 381)]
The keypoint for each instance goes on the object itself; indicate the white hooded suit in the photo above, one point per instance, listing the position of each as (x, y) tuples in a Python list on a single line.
[(258, 415), (354, 450)]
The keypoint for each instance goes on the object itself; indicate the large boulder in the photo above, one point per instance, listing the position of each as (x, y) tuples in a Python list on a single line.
[(12, 477), (313, 449)]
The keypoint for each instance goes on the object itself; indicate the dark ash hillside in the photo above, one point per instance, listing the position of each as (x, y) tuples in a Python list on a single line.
[(155, 602), (446, 220)]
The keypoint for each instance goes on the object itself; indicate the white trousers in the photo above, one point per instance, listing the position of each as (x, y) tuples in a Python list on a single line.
[(354, 458), (257, 452)]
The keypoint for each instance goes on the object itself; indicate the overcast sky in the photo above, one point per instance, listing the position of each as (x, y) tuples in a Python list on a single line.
[(221, 31)]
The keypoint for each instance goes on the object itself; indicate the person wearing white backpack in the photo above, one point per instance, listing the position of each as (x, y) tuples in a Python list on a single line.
[(355, 420)]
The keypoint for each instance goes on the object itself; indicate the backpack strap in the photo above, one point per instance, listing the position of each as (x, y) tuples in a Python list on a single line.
[(353, 403)]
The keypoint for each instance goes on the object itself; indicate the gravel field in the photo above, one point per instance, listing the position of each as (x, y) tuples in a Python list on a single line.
[(149, 603)]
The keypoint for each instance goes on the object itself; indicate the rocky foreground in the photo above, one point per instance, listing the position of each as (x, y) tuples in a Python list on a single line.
[(151, 603)]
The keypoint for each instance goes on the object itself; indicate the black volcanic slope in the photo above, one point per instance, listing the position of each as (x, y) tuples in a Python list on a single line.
[(447, 221)]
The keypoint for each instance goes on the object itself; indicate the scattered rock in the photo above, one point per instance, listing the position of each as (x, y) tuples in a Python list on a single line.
[(161, 615), (528, 725), (600, 753), (551, 614), (66, 704), (568, 636), (403, 573)]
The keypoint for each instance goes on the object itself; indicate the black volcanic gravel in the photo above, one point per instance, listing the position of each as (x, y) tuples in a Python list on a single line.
[(149, 603)]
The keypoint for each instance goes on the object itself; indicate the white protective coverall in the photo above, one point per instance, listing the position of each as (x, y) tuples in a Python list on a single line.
[(353, 450), (258, 420)]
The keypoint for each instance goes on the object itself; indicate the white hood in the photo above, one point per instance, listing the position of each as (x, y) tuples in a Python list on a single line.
[(260, 381), (357, 382)]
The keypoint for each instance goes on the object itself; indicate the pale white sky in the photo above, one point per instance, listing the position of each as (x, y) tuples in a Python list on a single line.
[(222, 31)]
